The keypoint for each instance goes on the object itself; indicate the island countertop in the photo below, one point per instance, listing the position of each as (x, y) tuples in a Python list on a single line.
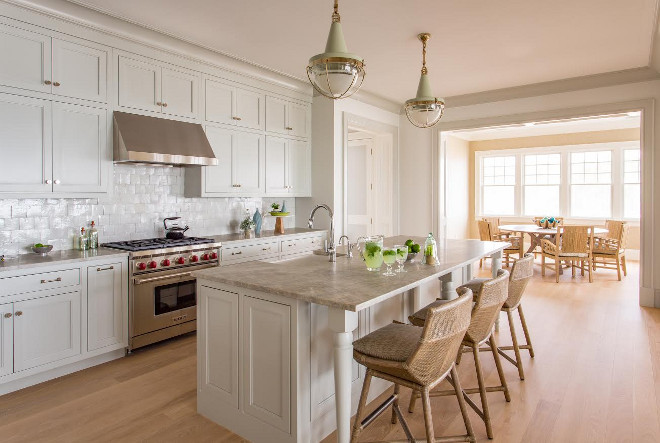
[(347, 284)]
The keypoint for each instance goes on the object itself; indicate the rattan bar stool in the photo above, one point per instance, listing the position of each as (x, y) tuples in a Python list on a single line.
[(488, 301), (417, 358), (521, 273)]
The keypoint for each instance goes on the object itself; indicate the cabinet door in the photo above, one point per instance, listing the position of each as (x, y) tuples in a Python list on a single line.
[(6, 339), (267, 361), (219, 99), (276, 115), (298, 119), (46, 330), (218, 178), (248, 162), (249, 108), (276, 166), (139, 85), (299, 168), (180, 92), (79, 71), (25, 59), (80, 156), (25, 144), (104, 305)]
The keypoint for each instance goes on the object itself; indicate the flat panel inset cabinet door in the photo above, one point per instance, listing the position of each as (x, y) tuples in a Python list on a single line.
[(46, 330), (80, 155), (299, 120), (219, 98), (104, 305), (249, 108), (276, 166), (180, 92), (218, 350), (25, 59), (139, 84), (6, 339), (267, 362), (276, 119), (248, 168), (79, 71), (299, 161), (218, 178), (25, 144)]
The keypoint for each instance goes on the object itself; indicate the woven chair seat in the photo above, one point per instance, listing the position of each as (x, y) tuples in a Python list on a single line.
[(607, 251), (394, 342)]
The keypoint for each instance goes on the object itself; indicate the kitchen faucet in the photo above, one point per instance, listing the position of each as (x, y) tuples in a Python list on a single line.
[(331, 250), (349, 246)]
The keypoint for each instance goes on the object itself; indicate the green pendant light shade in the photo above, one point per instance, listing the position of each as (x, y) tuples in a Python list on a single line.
[(336, 73), (424, 110)]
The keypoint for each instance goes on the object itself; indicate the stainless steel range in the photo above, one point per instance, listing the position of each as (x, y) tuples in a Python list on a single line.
[(162, 299)]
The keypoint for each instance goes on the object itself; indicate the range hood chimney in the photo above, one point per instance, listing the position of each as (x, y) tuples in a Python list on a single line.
[(142, 139)]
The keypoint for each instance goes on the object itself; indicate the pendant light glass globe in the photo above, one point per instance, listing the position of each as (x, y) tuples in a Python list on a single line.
[(336, 73), (424, 110)]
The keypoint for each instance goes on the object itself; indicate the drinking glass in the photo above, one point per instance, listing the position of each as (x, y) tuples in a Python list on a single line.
[(401, 256), (389, 258), (372, 252)]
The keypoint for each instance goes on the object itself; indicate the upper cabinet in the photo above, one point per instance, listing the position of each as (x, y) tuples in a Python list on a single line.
[(41, 63), (287, 167), (232, 104), (288, 117), (149, 85)]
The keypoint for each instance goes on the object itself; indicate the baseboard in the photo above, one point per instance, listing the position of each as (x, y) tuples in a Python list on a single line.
[(649, 297)]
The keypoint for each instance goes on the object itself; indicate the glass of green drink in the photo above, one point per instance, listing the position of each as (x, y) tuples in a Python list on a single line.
[(401, 256), (372, 251), (389, 257)]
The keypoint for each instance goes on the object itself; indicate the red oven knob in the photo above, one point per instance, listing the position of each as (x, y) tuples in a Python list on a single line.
[(214, 255), (194, 258), (153, 264), (181, 260), (142, 266), (205, 257), (166, 262)]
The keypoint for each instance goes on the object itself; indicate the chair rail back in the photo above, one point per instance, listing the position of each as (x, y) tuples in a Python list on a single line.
[(521, 273), (487, 304)]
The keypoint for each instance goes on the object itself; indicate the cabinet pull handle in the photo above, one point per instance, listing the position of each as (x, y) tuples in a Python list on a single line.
[(57, 182), (56, 84), (265, 249), (49, 281), (159, 104), (237, 253), (237, 118), (18, 313), (8, 315), (289, 128), (48, 182), (47, 82), (109, 268), (164, 105)]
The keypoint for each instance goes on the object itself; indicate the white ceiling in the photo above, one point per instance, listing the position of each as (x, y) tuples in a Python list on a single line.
[(475, 46)]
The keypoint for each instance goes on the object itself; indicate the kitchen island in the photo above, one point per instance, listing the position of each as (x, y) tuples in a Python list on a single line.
[(268, 332)]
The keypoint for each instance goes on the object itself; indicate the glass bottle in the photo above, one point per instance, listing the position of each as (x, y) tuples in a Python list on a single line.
[(93, 235), (430, 250), (83, 240)]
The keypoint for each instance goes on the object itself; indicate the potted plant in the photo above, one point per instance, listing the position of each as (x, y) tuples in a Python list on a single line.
[(247, 226)]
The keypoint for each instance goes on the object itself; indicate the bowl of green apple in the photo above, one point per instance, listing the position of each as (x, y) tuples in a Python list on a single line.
[(413, 249), (42, 249)]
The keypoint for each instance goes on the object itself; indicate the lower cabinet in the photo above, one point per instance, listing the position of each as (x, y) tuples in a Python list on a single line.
[(6, 339), (104, 305)]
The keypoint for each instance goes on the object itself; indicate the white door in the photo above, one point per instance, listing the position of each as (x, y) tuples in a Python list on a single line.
[(80, 154), (276, 166), (359, 198), (248, 162), (180, 92), (46, 330), (25, 145), (298, 119), (218, 178), (219, 99), (6, 339), (104, 305), (299, 165), (276, 115), (139, 85), (25, 59), (249, 108), (79, 71), (267, 362)]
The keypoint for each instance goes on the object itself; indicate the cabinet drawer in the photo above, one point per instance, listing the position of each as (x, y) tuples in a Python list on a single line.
[(40, 282), (251, 251), (302, 244)]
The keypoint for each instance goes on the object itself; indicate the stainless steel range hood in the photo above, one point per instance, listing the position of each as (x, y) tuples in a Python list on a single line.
[(142, 139)]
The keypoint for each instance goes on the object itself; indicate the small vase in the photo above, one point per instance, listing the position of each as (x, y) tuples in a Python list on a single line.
[(257, 219), (248, 233)]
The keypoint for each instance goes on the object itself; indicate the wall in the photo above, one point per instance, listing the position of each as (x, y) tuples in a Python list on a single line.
[(142, 196)]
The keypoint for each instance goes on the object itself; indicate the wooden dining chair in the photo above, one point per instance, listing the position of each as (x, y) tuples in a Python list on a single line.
[(610, 249), (487, 233), (573, 244)]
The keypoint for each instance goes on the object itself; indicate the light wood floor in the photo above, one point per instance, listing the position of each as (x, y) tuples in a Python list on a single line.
[(595, 377)]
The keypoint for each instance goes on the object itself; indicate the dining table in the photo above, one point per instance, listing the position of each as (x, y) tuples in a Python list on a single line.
[(537, 233)]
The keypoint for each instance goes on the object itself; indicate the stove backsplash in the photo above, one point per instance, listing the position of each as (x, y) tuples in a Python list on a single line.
[(142, 196)]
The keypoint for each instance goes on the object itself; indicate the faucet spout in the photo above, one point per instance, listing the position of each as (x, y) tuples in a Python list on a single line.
[(310, 223)]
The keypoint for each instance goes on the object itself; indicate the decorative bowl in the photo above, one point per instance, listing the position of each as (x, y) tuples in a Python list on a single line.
[(43, 250), (279, 214)]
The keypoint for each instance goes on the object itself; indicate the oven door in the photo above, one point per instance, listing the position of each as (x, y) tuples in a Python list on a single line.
[(162, 301)]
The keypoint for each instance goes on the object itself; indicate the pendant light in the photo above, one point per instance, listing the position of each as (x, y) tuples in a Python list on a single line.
[(336, 73), (424, 110)]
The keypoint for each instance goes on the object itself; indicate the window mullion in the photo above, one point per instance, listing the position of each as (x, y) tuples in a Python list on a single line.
[(518, 190), (564, 186), (617, 183)]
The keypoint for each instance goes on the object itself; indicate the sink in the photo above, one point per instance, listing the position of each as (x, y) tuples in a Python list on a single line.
[(322, 252)]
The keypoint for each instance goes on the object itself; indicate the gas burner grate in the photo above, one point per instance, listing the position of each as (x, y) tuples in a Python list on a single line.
[(157, 243)]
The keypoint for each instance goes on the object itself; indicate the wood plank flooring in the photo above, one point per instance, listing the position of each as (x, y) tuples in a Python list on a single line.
[(595, 377)]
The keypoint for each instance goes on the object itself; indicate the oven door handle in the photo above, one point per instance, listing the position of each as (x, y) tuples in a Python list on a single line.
[(139, 281)]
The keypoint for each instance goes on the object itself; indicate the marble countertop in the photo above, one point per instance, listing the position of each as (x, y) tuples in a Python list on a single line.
[(238, 237), (28, 261), (347, 284)]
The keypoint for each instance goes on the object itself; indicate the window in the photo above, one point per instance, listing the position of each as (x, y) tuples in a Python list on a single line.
[(591, 184), (541, 186), (499, 179), (631, 183)]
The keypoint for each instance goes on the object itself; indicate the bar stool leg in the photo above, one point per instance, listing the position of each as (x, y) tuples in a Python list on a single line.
[(395, 404), (524, 325), (498, 364), (428, 417), (516, 349), (461, 403), (482, 392), (357, 426)]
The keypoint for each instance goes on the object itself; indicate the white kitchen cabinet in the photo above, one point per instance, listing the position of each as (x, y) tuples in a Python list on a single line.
[(6, 339), (149, 85), (46, 330), (79, 71), (288, 117), (218, 179), (26, 59), (248, 169), (105, 309), (80, 153), (287, 167), (231, 104)]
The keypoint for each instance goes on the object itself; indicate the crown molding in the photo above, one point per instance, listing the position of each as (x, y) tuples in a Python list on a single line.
[(377, 100)]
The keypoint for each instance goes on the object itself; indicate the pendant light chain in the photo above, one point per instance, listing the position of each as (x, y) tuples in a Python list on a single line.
[(424, 69), (335, 14)]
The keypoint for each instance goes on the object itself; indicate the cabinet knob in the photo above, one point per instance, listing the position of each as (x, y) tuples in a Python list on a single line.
[(57, 182), (47, 82), (8, 315), (289, 128), (18, 313), (56, 84), (164, 105), (48, 182), (159, 104), (237, 118)]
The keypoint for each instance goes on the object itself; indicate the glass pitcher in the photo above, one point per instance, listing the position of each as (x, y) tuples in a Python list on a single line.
[(430, 251), (371, 249)]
